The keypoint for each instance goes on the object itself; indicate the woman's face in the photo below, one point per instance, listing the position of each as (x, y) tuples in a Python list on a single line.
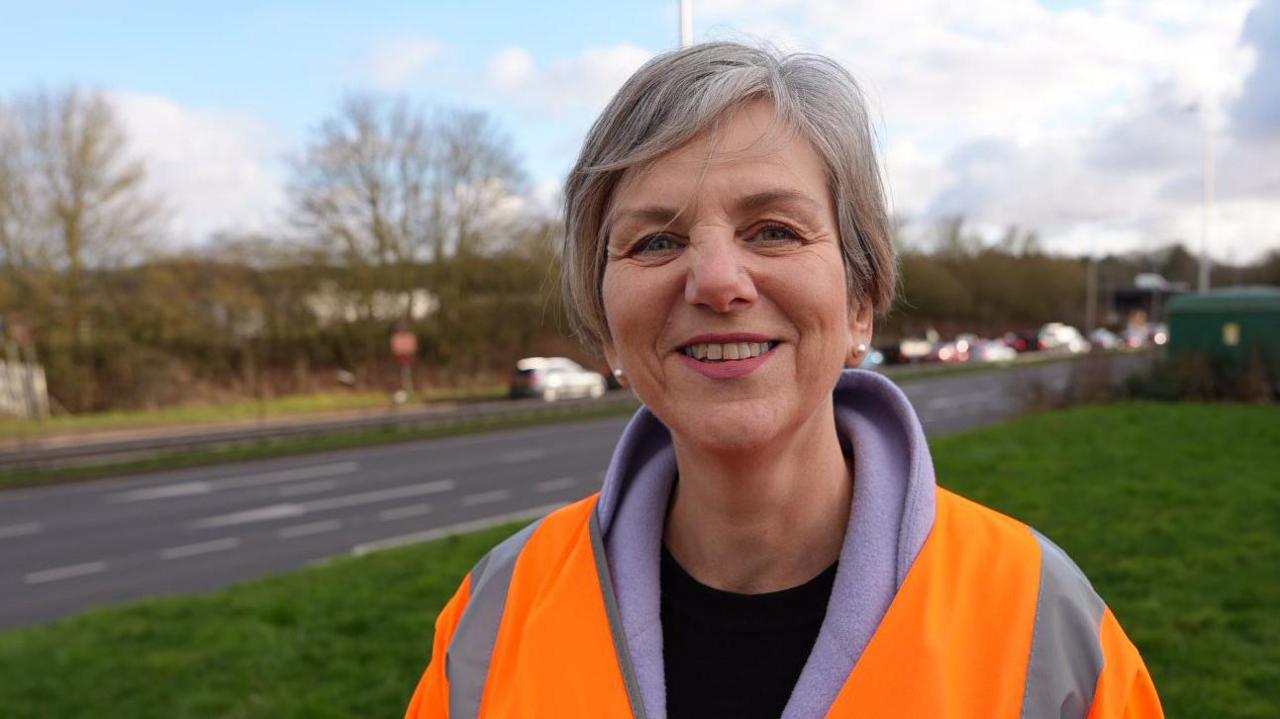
[(736, 257)]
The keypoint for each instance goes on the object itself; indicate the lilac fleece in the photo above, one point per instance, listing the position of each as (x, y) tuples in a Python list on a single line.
[(892, 514)]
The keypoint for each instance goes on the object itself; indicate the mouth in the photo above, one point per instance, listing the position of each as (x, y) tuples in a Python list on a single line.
[(717, 352)]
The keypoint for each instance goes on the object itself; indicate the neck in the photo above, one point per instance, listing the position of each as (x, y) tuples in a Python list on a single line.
[(762, 520)]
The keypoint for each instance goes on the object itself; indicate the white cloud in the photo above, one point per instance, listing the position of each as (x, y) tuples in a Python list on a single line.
[(583, 82), (1070, 122), (511, 67), (395, 65), (213, 171)]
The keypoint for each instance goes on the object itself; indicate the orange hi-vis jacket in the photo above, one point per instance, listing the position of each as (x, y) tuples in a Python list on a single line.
[(992, 621)]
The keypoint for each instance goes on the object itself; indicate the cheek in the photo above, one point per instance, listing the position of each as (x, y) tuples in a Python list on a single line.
[(629, 307), (612, 292), (815, 293)]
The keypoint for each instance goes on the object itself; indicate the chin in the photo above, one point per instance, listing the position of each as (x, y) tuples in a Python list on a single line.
[(730, 429)]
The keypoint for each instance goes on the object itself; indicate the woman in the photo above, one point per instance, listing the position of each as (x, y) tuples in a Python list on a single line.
[(763, 545)]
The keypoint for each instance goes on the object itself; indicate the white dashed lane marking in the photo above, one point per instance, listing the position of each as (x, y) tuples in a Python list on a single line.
[(497, 495), (524, 455), (192, 550), (20, 530), (297, 490), (303, 530), (283, 511), (555, 485), (58, 573), (413, 510), (186, 489)]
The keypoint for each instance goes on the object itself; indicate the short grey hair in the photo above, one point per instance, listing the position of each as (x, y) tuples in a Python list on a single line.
[(677, 96)]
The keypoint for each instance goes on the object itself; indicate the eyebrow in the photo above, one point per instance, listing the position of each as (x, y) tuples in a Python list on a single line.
[(776, 198), (755, 202)]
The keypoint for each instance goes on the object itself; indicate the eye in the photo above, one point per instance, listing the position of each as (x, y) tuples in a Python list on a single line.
[(655, 245), (774, 235)]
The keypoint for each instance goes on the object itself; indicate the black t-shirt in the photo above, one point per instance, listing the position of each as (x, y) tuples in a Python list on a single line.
[(736, 655)]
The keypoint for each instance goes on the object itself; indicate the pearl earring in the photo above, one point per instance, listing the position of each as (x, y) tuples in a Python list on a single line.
[(617, 373), (862, 348)]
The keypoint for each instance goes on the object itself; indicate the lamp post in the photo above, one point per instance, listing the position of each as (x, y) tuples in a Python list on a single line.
[(686, 23), (1206, 207)]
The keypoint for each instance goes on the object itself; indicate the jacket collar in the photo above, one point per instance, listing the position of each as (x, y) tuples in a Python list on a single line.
[(892, 514)]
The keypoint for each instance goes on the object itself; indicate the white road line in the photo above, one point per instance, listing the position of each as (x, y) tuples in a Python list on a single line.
[(259, 514), (475, 525), (166, 491), (302, 530), (295, 490), (381, 495), (186, 489), (555, 485), (498, 495), (523, 455), (57, 573), (191, 550), (413, 510), (290, 475), (20, 530), (285, 511)]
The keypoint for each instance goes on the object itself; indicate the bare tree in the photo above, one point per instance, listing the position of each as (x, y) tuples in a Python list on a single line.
[(71, 200), (360, 188), (16, 250), (86, 195), (383, 183), (476, 176), (385, 188)]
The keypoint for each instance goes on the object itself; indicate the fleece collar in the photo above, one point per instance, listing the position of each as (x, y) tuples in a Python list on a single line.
[(892, 514)]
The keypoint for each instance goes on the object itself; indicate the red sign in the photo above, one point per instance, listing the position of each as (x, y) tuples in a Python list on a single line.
[(404, 345)]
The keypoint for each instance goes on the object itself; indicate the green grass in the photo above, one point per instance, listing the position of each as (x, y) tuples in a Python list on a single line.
[(30, 477), (1173, 511), (245, 409), (344, 640), (12, 429)]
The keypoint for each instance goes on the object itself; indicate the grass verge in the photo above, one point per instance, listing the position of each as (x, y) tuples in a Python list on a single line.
[(29, 477), (1172, 510), (301, 405), (246, 409)]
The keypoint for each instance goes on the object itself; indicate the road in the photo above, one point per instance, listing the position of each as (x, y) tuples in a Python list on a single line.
[(67, 548)]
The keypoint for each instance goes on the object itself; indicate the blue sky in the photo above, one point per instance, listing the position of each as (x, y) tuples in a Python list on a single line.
[(990, 107), (288, 64)]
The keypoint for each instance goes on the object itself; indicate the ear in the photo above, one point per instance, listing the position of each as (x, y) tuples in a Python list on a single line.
[(861, 319)]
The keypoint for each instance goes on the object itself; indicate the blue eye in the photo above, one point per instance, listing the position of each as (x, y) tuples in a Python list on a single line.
[(775, 234), (656, 244)]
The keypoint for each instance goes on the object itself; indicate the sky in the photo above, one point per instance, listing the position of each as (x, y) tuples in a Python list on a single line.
[(1084, 120)]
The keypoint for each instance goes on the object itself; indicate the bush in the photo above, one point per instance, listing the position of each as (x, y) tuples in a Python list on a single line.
[(1207, 378)]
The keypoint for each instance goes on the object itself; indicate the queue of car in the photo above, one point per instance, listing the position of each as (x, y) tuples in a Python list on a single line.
[(1054, 337), (556, 378)]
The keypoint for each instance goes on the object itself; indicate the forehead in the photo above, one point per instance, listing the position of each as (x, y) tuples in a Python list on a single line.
[(751, 152)]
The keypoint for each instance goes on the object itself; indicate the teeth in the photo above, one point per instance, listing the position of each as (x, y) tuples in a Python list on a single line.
[(729, 351)]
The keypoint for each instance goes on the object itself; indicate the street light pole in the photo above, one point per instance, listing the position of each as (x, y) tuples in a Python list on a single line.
[(1206, 220), (686, 23)]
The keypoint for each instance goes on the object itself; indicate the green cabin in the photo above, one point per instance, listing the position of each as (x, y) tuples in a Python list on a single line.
[(1236, 325)]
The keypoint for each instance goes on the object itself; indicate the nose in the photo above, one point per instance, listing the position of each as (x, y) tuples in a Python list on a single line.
[(716, 275)]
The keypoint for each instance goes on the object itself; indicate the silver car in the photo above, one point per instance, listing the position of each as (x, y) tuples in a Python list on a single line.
[(553, 378)]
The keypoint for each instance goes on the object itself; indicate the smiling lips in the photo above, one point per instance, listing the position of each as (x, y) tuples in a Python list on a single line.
[(727, 356)]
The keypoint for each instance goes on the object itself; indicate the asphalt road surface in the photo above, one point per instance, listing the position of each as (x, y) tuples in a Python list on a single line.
[(67, 548)]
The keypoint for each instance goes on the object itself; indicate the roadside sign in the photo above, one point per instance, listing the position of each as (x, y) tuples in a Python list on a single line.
[(404, 345)]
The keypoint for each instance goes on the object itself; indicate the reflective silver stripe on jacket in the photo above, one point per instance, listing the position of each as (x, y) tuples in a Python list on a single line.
[(1066, 650), (615, 619), (466, 662)]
